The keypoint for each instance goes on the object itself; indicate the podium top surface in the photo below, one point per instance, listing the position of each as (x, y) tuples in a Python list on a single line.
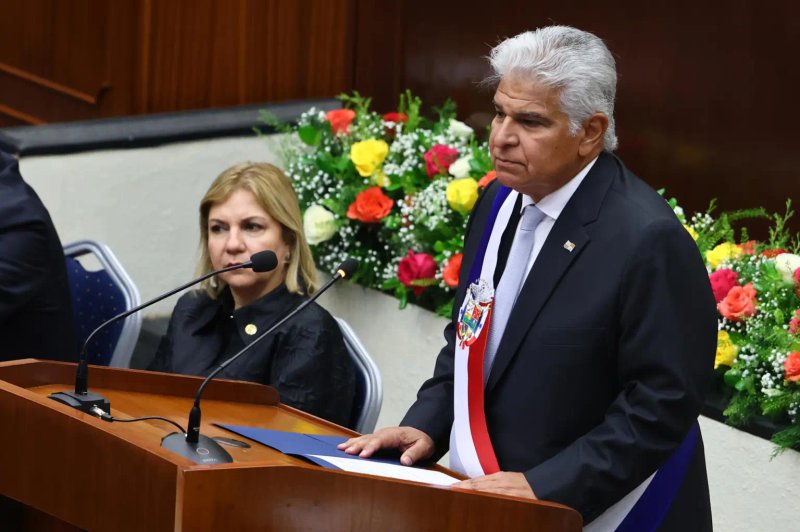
[(69, 464)]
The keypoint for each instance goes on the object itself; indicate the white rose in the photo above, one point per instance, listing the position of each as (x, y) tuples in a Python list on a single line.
[(459, 129), (786, 264), (319, 224), (460, 167)]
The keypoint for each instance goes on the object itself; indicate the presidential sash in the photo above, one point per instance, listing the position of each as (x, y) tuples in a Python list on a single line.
[(471, 450)]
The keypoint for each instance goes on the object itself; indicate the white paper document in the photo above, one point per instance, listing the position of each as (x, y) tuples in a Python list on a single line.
[(382, 469)]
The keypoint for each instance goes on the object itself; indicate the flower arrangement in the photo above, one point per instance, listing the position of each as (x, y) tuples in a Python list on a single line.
[(757, 289), (393, 190)]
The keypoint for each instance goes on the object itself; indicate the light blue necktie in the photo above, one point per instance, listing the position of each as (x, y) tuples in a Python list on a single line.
[(511, 282)]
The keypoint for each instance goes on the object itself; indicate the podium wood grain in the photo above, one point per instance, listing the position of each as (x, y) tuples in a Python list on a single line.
[(96, 475)]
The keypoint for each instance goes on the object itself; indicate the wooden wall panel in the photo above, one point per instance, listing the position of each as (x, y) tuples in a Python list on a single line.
[(64, 60), (207, 53)]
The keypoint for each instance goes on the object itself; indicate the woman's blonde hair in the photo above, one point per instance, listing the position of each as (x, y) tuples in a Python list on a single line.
[(275, 194)]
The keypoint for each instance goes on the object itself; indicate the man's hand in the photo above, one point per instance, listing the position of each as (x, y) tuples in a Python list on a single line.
[(415, 444), (504, 483)]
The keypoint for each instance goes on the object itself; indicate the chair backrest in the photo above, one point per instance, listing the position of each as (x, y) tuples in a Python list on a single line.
[(98, 295), (369, 387)]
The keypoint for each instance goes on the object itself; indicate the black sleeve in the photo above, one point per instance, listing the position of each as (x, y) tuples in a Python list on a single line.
[(162, 361), (312, 369), (24, 267)]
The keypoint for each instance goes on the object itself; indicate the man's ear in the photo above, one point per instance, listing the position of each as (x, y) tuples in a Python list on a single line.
[(594, 128)]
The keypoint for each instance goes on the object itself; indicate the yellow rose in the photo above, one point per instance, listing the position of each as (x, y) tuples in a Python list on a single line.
[(462, 194), (721, 253), (726, 350), (368, 155), (692, 232)]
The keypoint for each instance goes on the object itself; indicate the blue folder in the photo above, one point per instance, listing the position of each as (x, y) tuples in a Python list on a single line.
[(304, 445)]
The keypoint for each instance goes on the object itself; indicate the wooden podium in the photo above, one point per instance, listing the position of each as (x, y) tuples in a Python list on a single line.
[(79, 472)]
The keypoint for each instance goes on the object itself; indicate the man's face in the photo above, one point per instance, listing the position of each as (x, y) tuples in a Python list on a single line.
[(531, 147)]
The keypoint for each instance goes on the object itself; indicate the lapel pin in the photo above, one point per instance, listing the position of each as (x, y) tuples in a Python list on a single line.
[(569, 246)]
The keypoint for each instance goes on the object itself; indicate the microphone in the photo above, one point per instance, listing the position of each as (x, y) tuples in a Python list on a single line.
[(204, 450), (86, 401)]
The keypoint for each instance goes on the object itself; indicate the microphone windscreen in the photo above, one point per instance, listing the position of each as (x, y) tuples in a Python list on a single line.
[(264, 261), (347, 268)]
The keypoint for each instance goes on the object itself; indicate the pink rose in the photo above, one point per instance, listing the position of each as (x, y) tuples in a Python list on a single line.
[(794, 323), (416, 266), (439, 158), (797, 282), (792, 366), (722, 281), (740, 303)]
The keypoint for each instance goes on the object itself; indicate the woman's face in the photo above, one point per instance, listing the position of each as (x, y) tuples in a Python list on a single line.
[(237, 228)]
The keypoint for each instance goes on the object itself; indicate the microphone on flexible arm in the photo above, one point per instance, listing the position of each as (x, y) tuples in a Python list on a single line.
[(204, 450), (86, 401)]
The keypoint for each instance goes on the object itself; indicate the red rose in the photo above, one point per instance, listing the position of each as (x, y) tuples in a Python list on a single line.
[(439, 158), (722, 281), (490, 176), (395, 117), (740, 303), (772, 253), (792, 366), (794, 323), (416, 266), (371, 206), (340, 119), (452, 270)]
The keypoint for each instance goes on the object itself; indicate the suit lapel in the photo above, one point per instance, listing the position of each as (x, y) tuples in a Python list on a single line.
[(554, 260)]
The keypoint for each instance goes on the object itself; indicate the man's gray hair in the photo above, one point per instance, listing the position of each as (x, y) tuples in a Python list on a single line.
[(576, 62)]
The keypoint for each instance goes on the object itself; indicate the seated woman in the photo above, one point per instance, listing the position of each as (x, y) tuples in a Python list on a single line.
[(251, 207)]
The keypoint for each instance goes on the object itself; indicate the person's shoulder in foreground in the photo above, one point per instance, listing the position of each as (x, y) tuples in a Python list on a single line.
[(34, 291)]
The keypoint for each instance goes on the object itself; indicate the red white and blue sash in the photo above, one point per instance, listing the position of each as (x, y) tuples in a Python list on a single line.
[(471, 449)]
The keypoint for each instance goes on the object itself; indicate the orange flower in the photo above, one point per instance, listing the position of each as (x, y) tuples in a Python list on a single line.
[(740, 303), (748, 248), (792, 366), (395, 117), (452, 270), (340, 119), (371, 206), (490, 176)]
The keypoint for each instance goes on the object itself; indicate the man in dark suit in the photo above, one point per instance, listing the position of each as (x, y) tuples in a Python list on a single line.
[(595, 376), (35, 308)]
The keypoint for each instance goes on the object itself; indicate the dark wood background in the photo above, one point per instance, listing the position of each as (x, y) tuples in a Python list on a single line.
[(706, 99)]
